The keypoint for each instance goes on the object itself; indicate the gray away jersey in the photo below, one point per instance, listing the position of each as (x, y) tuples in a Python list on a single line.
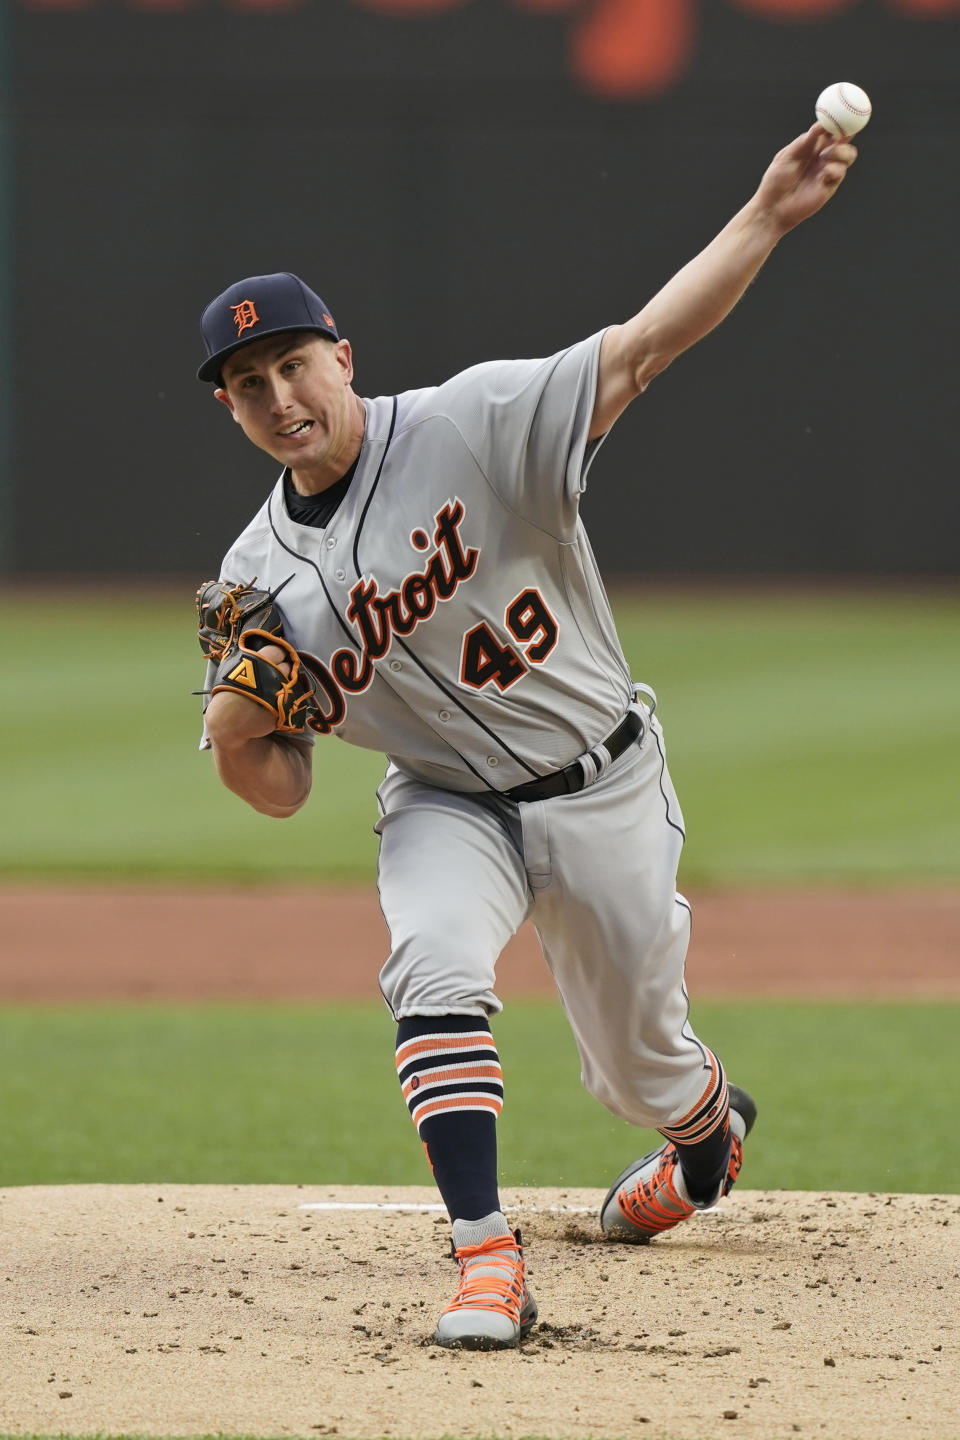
[(453, 601)]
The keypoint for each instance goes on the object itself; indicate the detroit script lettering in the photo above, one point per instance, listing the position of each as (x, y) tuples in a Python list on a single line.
[(378, 617)]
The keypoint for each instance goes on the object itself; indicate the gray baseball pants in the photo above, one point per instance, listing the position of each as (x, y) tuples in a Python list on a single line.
[(596, 874)]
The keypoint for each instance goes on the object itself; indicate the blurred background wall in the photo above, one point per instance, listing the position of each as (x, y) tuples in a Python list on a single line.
[(465, 179)]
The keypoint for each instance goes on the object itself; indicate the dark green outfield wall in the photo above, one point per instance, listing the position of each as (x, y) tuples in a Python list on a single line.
[(458, 181)]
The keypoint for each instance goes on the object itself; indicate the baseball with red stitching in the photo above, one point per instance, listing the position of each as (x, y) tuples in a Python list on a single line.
[(843, 109)]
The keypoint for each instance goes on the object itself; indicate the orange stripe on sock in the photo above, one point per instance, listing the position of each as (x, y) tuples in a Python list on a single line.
[(456, 1102), (696, 1126), (440, 1044), (451, 1075)]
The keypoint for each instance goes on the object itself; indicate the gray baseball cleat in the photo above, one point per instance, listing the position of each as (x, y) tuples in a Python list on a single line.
[(492, 1309), (650, 1196)]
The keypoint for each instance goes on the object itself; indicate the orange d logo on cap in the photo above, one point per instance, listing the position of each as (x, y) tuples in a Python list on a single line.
[(244, 315), (264, 304)]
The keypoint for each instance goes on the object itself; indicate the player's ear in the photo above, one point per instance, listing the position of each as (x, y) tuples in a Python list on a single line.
[(221, 395), (344, 354)]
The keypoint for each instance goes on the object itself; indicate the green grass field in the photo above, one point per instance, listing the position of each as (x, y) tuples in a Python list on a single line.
[(853, 1097), (812, 738)]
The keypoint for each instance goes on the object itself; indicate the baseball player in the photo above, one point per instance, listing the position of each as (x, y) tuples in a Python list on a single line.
[(425, 587)]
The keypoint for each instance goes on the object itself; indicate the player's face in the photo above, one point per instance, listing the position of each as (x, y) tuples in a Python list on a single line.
[(292, 396)]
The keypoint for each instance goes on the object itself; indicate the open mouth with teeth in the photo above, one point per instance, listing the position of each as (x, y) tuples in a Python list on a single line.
[(300, 428)]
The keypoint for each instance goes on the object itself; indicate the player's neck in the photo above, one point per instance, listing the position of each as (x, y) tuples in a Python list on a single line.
[(314, 482), (314, 479)]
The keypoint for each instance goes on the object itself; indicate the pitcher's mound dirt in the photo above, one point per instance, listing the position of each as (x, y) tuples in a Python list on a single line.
[(189, 1310)]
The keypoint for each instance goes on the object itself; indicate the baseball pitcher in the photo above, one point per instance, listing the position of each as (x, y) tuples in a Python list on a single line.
[(419, 581)]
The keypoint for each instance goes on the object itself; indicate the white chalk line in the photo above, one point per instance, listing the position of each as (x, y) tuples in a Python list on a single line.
[(435, 1209), (367, 1205)]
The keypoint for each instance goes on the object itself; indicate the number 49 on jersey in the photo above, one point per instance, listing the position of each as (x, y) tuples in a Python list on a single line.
[(488, 659)]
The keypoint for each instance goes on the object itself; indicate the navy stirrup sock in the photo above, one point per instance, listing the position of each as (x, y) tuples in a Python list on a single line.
[(453, 1085), (703, 1138), (705, 1165)]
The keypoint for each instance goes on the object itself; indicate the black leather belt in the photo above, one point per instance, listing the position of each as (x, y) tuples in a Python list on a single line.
[(573, 777)]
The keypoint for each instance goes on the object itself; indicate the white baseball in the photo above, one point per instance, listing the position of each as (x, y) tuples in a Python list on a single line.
[(843, 109)]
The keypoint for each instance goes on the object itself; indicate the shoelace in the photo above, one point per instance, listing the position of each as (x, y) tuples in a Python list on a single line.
[(644, 1203), (736, 1160), (475, 1291)]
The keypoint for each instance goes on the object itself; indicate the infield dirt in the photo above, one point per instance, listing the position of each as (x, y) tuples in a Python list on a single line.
[(97, 942), (187, 1310)]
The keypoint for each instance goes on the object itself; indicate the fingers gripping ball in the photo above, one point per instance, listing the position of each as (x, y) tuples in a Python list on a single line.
[(225, 612), (292, 697), (843, 109)]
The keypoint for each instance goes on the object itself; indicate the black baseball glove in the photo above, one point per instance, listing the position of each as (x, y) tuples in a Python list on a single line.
[(292, 698), (225, 612), (235, 623)]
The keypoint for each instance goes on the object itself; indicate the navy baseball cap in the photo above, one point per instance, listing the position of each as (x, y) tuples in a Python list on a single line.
[(258, 306)]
